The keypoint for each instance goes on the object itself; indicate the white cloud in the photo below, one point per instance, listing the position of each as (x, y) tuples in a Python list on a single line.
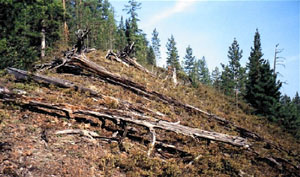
[(180, 6)]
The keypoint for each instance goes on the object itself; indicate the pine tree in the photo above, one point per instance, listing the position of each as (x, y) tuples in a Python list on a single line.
[(227, 82), (22, 26), (131, 9), (203, 72), (262, 89), (134, 34), (95, 15), (296, 101), (216, 78), (151, 56), (233, 81), (173, 57), (121, 37), (189, 61), (156, 44), (289, 115)]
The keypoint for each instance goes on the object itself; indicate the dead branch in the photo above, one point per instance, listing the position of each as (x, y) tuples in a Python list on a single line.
[(124, 58), (86, 133), (24, 75), (144, 121), (82, 62), (117, 116)]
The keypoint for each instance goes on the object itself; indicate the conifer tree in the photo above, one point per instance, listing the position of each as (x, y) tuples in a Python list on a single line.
[(134, 34), (121, 37), (189, 61), (151, 56), (296, 101), (216, 78), (172, 54), (203, 72), (22, 26), (227, 82), (156, 44), (233, 75), (262, 89), (290, 116)]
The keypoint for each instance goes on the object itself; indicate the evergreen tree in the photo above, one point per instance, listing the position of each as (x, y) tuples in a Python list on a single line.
[(290, 116), (97, 16), (134, 34), (237, 72), (203, 72), (151, 56), (22, 26), (262, 89), (156, 44), (131, 9), (216, 78), (227, 82), (172, 54), (121, 36), (296, 101), (189, 61), (233, 75)]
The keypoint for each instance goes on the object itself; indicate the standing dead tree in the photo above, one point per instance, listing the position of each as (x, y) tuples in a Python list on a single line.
[(81, 35)]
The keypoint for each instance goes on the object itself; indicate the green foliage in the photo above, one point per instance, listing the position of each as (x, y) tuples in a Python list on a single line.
[(189, 61), (156, 44), (202, 71), (21, 27), (151, 56), (97, 16), (172, 52), (121, 37), (262, 89), (290, 114), (216, 78), (233, 75)]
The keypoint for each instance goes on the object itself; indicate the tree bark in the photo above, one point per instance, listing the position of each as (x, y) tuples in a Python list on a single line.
[(24, 75), (66, 31), (43, 42)]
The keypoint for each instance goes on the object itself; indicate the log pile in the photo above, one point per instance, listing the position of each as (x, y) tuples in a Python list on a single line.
[(130, 114)]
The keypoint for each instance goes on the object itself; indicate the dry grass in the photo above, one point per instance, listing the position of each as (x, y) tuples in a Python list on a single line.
[(23, 150)]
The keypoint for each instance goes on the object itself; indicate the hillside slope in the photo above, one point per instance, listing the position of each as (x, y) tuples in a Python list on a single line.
[(31, 146)]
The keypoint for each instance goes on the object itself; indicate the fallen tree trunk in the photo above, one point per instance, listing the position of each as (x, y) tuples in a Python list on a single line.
[(42, 79), (24, 75), (137, 119), (118, 116), (112, 78)]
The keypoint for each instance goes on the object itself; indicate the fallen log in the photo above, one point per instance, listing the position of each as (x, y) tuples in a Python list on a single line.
[(137, 119), (24, 75), (112, 78), (63, 83), (118, 116)]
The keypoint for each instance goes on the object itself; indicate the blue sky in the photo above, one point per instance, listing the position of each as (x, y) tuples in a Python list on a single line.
[(209, 27)]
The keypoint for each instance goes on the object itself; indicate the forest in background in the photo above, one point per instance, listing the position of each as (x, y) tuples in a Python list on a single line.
[(24, 23)]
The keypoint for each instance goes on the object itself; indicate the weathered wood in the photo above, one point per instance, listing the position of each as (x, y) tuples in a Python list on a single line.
[(124, 58), (138, 119), (81, 35), (117, 116), (24, 75), (84, 63)]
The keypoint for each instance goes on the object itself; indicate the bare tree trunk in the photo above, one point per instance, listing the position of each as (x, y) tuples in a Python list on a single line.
[(174, 77), (66, 31), (43, 42)]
